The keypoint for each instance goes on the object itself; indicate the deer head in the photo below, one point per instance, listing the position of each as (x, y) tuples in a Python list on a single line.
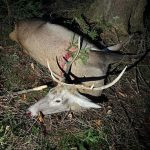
[(60, 99)]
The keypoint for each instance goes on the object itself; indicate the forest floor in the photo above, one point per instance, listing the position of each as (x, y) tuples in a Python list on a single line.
[(122, 123)]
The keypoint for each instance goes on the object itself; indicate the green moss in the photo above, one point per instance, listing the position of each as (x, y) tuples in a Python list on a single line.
[(90, 138)]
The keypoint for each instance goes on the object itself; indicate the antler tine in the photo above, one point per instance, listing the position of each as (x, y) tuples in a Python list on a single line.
[(79, 48), (104, 86), (69, 64), (113, 82), (54, 75)]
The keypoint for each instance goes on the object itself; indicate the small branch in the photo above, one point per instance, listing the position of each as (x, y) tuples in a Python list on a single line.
[(142, 78), (8, 8), (130, 84), (137, 79), (39, 88), (77, 54), (118, 40), (1, 47)]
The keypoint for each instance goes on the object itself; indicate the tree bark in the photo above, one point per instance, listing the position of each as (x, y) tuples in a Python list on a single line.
[(127, 13)]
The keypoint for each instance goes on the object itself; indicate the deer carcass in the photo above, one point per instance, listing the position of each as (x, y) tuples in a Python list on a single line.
[(54, 47)]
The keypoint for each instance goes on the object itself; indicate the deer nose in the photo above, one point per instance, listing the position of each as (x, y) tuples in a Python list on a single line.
[(28, 113)]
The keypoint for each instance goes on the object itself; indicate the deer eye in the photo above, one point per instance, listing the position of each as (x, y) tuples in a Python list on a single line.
[(57, 100)]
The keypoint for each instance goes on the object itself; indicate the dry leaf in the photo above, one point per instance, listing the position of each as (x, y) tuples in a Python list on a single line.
[(109, 107), (1, 47), (7, 128), (32, 66), (109, 112), (24, 97), (40, 117), (98, 122), (70, 116)]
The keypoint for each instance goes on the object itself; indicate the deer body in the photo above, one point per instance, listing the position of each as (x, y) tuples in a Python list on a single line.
[(44, 42)]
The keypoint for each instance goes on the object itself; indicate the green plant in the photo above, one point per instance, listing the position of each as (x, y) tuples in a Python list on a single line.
[(21, 9), (86, 29), (83, 54), (4, 134), (90, 138), (103, 24)]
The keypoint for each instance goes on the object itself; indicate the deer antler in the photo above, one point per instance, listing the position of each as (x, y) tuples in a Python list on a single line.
[(85, 87), (60, 80), (69, 64)]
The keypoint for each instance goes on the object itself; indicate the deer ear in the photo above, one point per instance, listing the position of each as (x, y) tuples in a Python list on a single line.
[(82, 101)]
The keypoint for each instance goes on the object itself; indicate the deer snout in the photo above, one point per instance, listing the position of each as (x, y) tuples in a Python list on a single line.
[(32, 112)]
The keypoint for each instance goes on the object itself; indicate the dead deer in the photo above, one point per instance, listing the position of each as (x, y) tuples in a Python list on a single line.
[(54, 46)]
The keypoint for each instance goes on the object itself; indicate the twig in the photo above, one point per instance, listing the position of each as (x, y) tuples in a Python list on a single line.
[(8, 9), (131, 86), (126, 112), (137, 79), (118, 40), (77, 54), (143, 78), (1, 47), (31, 126), (26, 91)]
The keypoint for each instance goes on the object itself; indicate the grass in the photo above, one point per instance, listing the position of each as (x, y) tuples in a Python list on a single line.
[(18, 131), (88, 139)]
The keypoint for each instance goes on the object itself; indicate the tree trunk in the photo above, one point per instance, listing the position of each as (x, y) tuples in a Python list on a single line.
[(127, 13)]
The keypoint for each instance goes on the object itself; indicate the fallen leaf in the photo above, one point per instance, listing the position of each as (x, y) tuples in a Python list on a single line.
[(1, 47), (109, 112), (32, 66), (98, 122), (40, 117), (70, 116), (24, 97)]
